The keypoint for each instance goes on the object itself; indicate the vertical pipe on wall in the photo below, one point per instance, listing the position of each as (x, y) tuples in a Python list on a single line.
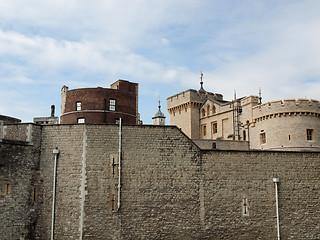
[(56, 153), (276, 181), (119, 179)]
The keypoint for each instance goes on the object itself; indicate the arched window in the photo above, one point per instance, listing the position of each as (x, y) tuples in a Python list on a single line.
[(203, 113), (213, 109)]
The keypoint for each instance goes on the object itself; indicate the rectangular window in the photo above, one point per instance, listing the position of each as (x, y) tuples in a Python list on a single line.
[(309, 134), (214, 127), (81, 120), (263, 138), (78, 106), (112, 104), (204, 129)]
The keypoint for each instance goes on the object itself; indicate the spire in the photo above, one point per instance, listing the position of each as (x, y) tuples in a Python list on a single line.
[(260, 98), (159, 105), (201, 83)]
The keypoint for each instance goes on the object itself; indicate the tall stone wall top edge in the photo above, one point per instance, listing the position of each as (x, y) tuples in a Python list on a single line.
[(262, 151)]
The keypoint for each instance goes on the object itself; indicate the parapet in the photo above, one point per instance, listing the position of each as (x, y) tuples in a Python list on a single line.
[(287, 106), (22, 133), (192, 95)]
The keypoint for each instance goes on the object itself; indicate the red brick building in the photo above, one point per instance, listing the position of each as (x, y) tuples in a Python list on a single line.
[(100, 105)]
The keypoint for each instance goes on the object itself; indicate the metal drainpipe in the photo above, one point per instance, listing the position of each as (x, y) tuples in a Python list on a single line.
[(56, 153), (119, 179), (276, 180)]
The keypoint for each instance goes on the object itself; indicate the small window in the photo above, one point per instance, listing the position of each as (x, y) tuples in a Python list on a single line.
[(208, 110), (34, 195), (309, 134), (245, 207), (213, 109), (263, 138), (204, 130), (244, 135), (78, 106), (5, 188), (214, 127), (81, 120), (112, 104), (203, 113)]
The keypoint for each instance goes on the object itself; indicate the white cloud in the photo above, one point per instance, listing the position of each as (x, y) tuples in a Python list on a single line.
[(242, 46)]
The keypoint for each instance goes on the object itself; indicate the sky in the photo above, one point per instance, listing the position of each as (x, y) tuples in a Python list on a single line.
[(240, 45)]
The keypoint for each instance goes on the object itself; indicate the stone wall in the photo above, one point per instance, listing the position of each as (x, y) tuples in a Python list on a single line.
[(170, 189), (222, 144), (19, 165), (232, 177)]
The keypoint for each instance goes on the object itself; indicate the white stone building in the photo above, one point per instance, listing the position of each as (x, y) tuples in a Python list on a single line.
[(279, 125)]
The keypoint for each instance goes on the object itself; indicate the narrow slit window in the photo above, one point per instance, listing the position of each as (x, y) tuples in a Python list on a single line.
[(263, 138), (245, 207), (5, 188)]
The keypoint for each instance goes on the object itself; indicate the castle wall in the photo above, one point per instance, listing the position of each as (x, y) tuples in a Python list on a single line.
[(232, 177), (170, 189), (19, 186), (69, 139), (285, 125)]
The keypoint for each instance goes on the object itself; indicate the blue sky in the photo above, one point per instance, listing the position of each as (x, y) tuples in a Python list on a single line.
[(162, 45)]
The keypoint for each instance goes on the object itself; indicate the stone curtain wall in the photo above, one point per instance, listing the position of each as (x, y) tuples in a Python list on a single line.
[(170, 189), (229, 177), (18, 181), (69, 140)]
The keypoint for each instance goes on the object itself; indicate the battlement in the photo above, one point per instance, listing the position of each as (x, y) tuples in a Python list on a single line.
[(286, 106), (191, 95)]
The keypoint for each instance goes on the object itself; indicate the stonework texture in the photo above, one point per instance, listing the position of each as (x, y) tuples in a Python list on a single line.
[(169, 187)]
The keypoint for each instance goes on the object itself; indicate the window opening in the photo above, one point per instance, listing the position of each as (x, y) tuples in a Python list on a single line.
[(112, 202), (112, 104), (5, 188), (203, 113), (213, 109), (245, 207), (35, 194), (204, 130), (78, 106), (309, 134), (244, 135), (81, 120), (214, 127), (208, 110), (263, 138)]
